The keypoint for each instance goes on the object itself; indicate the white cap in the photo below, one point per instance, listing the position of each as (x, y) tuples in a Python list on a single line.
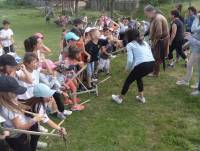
[(88, 29)]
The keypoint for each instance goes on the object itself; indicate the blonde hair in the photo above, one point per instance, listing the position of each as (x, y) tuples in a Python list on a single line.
[(9, 101)]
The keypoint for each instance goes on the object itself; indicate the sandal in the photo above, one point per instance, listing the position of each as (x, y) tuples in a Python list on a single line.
[(78, 107)]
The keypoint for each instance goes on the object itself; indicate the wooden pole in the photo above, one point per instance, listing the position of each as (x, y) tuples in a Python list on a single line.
[(85, 102), (55, 129), (104, 80), (119, 50), (29, 132)]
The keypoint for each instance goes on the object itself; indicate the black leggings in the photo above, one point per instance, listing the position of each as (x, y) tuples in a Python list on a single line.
[(177, 45), (60, 105), (137, 74), (9, 49), (22, 142)]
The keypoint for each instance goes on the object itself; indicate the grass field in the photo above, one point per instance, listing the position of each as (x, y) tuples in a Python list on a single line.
[(169, 121)]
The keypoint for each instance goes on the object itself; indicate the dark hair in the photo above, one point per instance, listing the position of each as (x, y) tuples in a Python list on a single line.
[(77, 21), (73, 51), (6, 22), (77, 31), (30, 43), (35, 103), (193, 9), (179, 7), (105, 29), (29, 57), (175, 13), (133, 35)]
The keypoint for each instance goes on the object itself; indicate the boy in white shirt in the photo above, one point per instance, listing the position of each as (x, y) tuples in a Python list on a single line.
[(6, 37)]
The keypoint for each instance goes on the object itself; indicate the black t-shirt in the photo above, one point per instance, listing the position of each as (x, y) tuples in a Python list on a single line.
[(93, 49), (180, 30)]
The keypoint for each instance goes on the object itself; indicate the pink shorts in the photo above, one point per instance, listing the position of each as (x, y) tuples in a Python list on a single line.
[(71, 85)]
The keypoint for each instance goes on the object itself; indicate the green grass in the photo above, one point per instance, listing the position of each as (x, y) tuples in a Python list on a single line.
[(169, 121)]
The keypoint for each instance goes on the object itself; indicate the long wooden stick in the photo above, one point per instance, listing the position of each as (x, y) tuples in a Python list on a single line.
[(79, 72), (87, 91), (81, 82), (29, 132), (119, 50), (104, 80), (33, 114), (55, 129), (85, 102)]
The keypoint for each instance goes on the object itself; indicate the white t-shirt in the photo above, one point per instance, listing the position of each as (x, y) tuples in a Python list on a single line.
[(9, 115), (123, 28), (103, 37), (35, 75), (6, 34)]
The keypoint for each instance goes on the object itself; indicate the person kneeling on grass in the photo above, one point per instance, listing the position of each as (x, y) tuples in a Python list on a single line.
[(140, 63)]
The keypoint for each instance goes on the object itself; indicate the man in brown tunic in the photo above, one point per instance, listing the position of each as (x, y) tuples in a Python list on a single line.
[(159, 36)]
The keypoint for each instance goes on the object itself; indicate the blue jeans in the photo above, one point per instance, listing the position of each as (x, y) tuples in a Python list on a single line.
[(90, 69)]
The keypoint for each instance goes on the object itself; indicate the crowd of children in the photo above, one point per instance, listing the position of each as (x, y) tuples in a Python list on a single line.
[(45, 87)]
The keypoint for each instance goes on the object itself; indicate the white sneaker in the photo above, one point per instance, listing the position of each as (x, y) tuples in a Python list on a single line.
[(42, 129), (117, 99), (67, 112), (195, 86), (141, 99), (182, 82), (41, 145), (196, 93), (113, 56)]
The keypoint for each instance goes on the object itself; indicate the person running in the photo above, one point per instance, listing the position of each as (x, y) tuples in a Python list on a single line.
[(140, 62)]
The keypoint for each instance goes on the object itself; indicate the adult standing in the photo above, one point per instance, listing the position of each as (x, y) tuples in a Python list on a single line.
[(159, 36), (192, 12), (176, 37), (194, 43), (140, 63), (179, 9)]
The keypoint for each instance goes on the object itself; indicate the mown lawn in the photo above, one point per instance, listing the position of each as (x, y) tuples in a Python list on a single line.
[(169, 121)]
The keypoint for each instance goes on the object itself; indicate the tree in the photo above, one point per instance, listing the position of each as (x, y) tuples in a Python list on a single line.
[(76, 7), (111, 7), (190, 2)]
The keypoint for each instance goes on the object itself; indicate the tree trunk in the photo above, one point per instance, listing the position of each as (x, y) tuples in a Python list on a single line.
[(111, 8), (190, 2), (76, 7)]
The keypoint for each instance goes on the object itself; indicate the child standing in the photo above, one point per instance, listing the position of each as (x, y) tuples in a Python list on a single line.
[(6, 36), (72, 63), (93, 47)]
